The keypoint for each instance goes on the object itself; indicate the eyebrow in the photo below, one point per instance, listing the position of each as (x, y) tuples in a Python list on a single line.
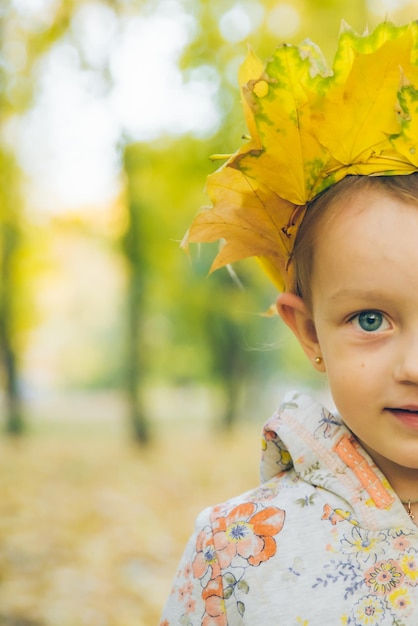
[(361, 294)]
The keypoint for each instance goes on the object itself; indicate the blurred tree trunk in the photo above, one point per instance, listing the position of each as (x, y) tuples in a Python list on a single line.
[(133, 247), (135, 347), (232, 388), (14, 415), (9, 291), (9, 234), (229, 359)]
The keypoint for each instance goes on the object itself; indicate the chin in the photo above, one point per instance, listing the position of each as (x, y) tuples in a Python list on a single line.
[(408, 461)]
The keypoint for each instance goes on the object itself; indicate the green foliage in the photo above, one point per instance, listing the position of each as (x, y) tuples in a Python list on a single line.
[(191, 327)]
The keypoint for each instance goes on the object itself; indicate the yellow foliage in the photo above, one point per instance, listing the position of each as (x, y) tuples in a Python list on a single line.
[(91, 528), (309, 128)]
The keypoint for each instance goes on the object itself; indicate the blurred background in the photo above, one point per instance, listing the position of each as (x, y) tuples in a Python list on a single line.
[(133, 386)]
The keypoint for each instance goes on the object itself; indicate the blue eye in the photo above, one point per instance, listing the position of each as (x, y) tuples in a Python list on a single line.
[(370, 321)]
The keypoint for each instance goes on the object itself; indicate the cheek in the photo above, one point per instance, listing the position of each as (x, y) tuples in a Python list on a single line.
[(349, 377), (342, 354)]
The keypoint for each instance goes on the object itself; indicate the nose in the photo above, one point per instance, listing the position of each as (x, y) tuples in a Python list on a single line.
[(406, 368)]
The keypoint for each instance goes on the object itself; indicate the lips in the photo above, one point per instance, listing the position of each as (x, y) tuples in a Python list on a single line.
[(408, 415)]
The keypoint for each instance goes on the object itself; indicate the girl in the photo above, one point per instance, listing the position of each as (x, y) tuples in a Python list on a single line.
[(325, 195)]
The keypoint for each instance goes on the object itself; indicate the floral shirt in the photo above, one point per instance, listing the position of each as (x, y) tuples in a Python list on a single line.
[(323, 541)]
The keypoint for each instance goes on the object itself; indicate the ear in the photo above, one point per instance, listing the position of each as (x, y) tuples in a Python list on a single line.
[(296, 315)]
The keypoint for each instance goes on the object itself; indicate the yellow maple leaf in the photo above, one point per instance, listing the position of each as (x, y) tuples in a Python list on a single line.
[(250, 219), (367, 102), (291, 157)]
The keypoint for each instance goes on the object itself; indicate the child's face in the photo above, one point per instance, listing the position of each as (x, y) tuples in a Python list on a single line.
[(365, 312)]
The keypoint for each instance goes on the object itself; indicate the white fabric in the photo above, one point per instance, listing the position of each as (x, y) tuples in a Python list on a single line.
[(323, 541)]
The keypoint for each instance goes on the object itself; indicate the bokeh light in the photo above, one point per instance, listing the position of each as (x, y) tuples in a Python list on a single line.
[(284, 20), (241, 20)]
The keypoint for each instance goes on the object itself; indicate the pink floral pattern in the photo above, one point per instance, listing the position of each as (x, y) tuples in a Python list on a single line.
[(247, 533), (236, 538), (384, 577), (300, 549)]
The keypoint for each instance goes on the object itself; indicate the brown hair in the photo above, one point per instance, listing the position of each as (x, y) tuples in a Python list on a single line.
[(403, 187)]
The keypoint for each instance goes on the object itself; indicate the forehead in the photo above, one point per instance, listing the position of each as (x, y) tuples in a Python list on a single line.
[(369, 239), (371, 215)]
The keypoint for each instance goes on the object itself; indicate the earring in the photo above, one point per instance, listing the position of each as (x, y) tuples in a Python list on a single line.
[(318, 360)]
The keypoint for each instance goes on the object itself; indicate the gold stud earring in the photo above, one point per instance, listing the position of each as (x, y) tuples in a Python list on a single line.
[(318, 360)]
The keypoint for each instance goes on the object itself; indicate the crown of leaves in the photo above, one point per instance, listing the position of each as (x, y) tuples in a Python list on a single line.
[(309, 128)]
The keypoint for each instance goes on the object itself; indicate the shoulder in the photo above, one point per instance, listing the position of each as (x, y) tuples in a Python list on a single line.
[(247, 530), (253, 519), (231, 544)]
